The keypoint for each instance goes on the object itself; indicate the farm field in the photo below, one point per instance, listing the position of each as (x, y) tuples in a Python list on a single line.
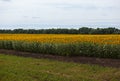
[(102, 46), (63, 38), (59, 40), (13, 68)]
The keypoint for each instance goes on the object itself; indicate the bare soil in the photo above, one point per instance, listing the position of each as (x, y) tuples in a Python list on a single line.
[(78, 59)]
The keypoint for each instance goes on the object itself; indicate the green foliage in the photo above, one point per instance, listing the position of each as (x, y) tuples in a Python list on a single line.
[(82, 30), (6, 44), (70, 49)]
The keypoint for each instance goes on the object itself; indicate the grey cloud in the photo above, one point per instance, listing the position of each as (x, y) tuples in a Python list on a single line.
[(6, 0), (84, 6), (59, 11), (25, 16), (78, 6), (35, 17)]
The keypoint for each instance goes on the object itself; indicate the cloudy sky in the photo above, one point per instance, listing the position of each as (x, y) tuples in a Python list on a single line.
[(60, 12)]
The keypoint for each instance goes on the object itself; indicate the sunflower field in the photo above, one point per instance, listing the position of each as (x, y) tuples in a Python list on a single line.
[(102, 46)]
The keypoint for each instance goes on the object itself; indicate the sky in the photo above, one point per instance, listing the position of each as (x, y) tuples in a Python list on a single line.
[(48, 13)]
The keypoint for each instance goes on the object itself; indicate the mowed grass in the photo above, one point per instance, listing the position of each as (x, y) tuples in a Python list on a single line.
[(13, 68)]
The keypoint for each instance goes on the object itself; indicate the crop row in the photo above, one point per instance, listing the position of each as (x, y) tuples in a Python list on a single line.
[(65, 49)]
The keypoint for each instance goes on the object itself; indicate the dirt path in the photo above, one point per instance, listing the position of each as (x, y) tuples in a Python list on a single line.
[(83, 60)]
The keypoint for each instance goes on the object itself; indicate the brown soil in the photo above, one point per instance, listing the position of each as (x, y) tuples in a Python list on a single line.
[(84, 60)]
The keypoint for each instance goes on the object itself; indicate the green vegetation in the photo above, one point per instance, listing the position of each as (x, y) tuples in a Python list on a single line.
[(67, 49), (13, 68), (83, 30)]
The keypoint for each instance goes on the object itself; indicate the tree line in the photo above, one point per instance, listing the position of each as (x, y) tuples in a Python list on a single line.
[(83, 30)]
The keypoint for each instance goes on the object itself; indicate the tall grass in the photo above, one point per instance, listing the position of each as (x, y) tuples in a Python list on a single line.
[(65, 49)]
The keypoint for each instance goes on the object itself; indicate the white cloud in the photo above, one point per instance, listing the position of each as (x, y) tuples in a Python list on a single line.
[(59, 11)]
